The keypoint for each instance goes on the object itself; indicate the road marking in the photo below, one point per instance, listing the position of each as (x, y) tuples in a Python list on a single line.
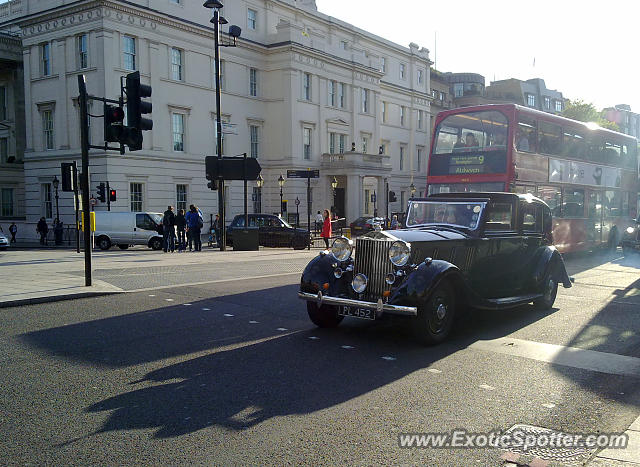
[(169, 299), (348, 347), (187, 304), (228, 315), (549, 405), (206, 309), (314, 338), (433, 370), (593, 360), (253, 322), (282, 329), (487, 387), (388, 358)]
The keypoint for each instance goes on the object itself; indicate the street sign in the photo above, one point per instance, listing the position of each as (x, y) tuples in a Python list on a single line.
[(232, 168), (297, 201), (93, 201), (227, 128), (303, 173)]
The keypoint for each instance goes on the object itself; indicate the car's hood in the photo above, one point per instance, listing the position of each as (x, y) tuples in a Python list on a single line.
[(418, 235)]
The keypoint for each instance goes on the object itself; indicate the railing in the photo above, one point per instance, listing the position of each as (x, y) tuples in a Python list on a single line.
[(68, 236)]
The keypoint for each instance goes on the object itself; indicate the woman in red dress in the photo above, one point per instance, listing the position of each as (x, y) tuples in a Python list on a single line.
[(326, 227)]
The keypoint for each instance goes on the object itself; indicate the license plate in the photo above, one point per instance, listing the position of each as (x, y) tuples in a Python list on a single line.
[(362, 313)]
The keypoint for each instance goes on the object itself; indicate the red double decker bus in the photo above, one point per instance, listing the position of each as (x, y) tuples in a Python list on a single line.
[(587, 175)]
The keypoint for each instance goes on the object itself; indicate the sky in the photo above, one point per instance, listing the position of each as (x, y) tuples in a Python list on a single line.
[(585, 49)]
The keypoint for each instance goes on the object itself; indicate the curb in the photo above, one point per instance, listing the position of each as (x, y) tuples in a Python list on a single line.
[(55, 298)]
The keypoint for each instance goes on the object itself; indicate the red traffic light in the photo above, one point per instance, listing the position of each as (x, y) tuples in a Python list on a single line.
[(112, 195), (116, 114)]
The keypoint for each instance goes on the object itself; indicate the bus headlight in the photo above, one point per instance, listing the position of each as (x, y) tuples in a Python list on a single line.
[(399, 253), (341, 248), (630, 230)]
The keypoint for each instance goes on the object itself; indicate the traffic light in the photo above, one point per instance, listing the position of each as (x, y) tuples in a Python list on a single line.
[(392, 197), (113, 126), (102, 192), (112, 195), (211, 168), (136, 107), (68, 179)]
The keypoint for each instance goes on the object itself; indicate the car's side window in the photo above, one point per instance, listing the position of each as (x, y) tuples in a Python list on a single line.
[(252, 221), (499, 217), (532, 218), (144, 222)]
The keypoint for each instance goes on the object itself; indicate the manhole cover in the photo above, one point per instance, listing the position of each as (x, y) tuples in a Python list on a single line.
[(550, 445)]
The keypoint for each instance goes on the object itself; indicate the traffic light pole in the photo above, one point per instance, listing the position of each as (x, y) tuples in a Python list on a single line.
[(108, 193), (216, 35), (84, 143), (77, 201)]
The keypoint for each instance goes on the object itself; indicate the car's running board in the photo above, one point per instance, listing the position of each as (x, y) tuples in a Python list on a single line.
[(508, 302)]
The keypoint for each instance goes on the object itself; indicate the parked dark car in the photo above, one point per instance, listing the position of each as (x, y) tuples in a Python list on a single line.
[(478, 250), (365, 224), (631, 239), (273, 231)]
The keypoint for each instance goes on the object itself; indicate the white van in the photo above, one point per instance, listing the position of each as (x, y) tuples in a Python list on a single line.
[(128, 228)]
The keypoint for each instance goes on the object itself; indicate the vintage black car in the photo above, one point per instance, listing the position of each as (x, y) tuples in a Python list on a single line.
[(631, 239), (273, 231), (478, 250)]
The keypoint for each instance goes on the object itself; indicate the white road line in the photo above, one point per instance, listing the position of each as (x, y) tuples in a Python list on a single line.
[(282, 329), (487, 387), (206, 309), (228, 315), (593, 360), (314, 338), (187, 304), (253, 322), (388, 358), (549, 405), (348, 347), (433, 370)]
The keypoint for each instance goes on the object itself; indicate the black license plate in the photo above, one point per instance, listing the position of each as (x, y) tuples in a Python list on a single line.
[(362, 313)]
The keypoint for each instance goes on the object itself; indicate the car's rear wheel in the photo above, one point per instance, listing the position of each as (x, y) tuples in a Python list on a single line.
[(325, 316), (436, 316), (298, 242), (104, 243), (549, 293), (156, 243)]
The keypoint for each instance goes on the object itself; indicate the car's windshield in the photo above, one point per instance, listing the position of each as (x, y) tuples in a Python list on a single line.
[(463, 214), (157, 218)]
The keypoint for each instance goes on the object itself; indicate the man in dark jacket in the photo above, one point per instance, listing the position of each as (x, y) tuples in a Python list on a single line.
[(169, 230), (43, 230)]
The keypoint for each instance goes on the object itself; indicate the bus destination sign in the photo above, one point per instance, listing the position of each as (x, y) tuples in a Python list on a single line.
[(493, 162)]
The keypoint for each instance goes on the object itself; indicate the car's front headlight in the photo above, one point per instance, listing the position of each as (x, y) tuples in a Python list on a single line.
[(399, 253), (630, 230), (342, 248)]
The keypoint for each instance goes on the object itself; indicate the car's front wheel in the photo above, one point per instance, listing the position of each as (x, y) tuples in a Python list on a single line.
[(156, 243), (548, 294), (325, 316), (436, 316), (104, 243)]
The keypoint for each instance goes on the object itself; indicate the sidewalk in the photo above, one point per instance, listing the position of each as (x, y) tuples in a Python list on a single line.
[(50, 274)]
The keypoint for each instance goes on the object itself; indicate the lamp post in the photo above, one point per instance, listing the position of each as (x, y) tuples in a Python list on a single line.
[(259, 184), (234, 32), (281, 183), (334, 185), (56, 183)]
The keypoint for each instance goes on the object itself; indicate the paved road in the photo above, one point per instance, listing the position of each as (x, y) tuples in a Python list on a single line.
[(233, 373)]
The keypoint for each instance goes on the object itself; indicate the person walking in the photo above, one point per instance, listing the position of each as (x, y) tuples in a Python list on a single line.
[(169, 230), (181, 224), (43, 229), (194, 226), (326, 227), (13, 229)]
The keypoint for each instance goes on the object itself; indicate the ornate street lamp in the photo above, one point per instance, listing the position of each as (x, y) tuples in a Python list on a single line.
[(259, 184), (281, 183), (56, 184), (334, 185)]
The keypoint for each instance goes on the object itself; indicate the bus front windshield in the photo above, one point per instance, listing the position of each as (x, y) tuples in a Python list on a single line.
[(471, 132)]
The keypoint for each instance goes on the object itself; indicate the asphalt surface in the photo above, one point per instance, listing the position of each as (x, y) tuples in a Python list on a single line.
[(233, 373)]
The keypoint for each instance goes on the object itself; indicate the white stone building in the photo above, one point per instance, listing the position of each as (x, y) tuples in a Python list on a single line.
[(300, 88)]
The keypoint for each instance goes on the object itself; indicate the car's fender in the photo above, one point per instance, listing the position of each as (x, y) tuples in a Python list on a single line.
[(550, 261), (320, 271)]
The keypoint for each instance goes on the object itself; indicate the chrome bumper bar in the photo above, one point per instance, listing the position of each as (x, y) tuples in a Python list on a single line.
[(379, 306)]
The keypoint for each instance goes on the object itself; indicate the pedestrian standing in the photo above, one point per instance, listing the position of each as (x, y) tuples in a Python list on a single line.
[(394, 222), (181, 224), (13, 229), (326, 227), (43, 229), (194, 226), (169, 230)]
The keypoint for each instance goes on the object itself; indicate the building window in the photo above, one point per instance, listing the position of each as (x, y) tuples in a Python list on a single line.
[(306, 143), (343, 45), (418, 159), (255, 142), (47, 201), (6, 202), (45, 50), (253, 82), (420, 119), (4, 150), (181, 197), (339, 140), (47, 129), (402, 115), (3, 102), (176, 64), (365, 100), (401, 157), (252, 16), (531, 100), (342, 95), (306, 86), (558, 106), (332, 143), (383, 64), (177, 130), (83, 57), (342, 141), (331, 93), (365, 143), (420, 76), (547, 103), (403, 71), (129, 53), (136, 196), (384, 112)]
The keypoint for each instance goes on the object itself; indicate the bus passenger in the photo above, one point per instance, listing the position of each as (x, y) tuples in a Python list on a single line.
[(471, 141)]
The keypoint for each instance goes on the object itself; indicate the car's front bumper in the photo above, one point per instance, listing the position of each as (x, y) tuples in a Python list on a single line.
[(379, 306)]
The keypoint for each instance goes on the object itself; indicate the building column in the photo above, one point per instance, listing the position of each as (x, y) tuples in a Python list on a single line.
[(353, 201), (29, 107), (63, 118)]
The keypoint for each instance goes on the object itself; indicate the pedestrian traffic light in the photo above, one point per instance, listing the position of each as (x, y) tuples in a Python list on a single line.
[(102, 192), (112, 194), (136, 107), (113, 123), (392, 197)]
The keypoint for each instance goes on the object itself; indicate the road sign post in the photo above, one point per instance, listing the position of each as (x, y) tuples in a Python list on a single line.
[(308, 174)]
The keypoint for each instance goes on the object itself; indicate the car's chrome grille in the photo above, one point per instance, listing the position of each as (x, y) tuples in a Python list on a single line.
[(372, 260)]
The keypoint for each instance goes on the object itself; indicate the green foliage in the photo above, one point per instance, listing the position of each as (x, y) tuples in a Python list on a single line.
[(587, 112)]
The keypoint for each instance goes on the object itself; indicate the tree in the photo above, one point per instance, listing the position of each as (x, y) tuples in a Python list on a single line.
[(587, 112)]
